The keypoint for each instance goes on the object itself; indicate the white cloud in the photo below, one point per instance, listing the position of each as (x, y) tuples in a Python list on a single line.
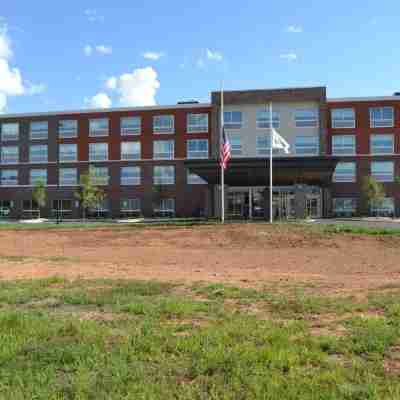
[(153, 55), (88, 50), (289, 56), (294, 29), (214, 55), (3, 102), (100, 49), (93, 16), (101, 100), (38, 88), (5, 45), (103, 50), (138, 88)]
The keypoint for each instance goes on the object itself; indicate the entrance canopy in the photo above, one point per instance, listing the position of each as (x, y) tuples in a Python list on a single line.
[(255, 171)]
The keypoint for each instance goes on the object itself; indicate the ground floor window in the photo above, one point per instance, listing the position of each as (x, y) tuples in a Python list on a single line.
[(62, 208), (165, 208), (344, 207), (101, 211), (384, 209), (130, 207), (5, 208), (30, 209)]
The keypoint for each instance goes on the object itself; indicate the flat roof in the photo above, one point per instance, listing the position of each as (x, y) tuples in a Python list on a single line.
[(355, 99), (106, 110)]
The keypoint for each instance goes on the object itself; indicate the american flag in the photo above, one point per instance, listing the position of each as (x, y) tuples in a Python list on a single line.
[(225, 151)]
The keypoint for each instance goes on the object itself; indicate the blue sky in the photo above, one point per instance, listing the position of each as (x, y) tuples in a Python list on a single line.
[(75, 54)]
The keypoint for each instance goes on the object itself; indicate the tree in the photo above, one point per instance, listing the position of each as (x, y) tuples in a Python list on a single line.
[(40, 194), (374, 192), (89, 195)]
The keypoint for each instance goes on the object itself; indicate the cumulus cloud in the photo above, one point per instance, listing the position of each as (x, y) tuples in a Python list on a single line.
[(105, 50), (93, 16), (214, 55), (100, 49), (100, 100), (294, 29), (153, 55), (36, 88), (289, 56), (138, 88)]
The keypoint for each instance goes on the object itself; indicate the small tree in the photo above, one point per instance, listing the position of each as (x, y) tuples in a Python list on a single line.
[(40, 194), (374, 192), (89, 195)]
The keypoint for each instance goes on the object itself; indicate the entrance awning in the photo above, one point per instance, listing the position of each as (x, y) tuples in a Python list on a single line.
[(255, 171)]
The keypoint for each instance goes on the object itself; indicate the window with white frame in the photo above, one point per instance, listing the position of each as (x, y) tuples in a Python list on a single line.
[(163, 150), (382, 144), (98, 151), (382, 171), (164, 175), (131, 126), (99, 175), (384, 207), (263, 119), (68, 128), (98, 127), (130, 175), (163, 124), (9, 131), (343, 118), (130, 205), (9, 177), (38, 175), (381, 117), (343, 145), (68, 176), (5, 207), (39, 130), (9, 154), (38, 153), (197, 148), (194, 179), (68, 152), (235, 141), (233, 119), (130, 151), (197, 123), (306, 118), (344, 206), (263, 145), (307, 145), (165, 206), (345, 172)]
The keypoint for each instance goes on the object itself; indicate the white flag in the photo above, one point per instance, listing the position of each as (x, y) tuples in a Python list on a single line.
[(278, 142)]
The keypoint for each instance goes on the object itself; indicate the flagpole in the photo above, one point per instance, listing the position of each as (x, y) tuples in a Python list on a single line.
[(271, 219), (222, 168)]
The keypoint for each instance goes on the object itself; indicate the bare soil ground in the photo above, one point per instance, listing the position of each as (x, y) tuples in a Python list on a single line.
[(241, 255)]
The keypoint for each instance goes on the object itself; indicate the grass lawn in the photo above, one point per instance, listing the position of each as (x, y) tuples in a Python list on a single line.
[(109, 339)]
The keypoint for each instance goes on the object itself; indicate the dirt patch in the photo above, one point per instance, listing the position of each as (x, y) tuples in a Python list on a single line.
[(248, 255)]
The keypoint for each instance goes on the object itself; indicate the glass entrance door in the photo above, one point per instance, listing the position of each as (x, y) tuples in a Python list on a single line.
[(314, 206)]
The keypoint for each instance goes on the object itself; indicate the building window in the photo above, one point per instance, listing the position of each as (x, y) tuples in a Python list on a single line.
[(345, 207), (67, 129), (99, 175), (194, 179), (30, 207), (381, 117), (68, 176), (384, 208), (164, 175), (10, 131), (130, 151), (5, 207), (197, 148), (62, 207), (307, 145), (128, 206), (343, 118), (165, 207), (345, 172), (38, 153), (98, 151), (233, 119), (39, 130), (68, 152), (382, 144), (100, 211), (235, 141), (130, 175), (197, 123), (263, 119), (343, 145), (307, 118), (9, 177), (130, 126), (382, 171), (163, 124), (9, 155), (163, 150), (38, 175), (98, 127)]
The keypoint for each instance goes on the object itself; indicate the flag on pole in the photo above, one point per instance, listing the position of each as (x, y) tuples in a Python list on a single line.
[(225, 150), (278, 142)]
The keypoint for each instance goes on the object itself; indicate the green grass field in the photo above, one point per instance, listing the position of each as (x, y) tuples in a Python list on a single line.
[(147, 340)]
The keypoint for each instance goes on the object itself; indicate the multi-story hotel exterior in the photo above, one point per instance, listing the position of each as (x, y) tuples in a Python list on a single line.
[(156, 161)]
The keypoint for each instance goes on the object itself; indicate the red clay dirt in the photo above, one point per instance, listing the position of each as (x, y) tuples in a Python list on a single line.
[(240, 254)]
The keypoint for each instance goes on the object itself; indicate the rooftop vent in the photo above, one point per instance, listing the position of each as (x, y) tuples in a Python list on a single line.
[(188, 102)]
